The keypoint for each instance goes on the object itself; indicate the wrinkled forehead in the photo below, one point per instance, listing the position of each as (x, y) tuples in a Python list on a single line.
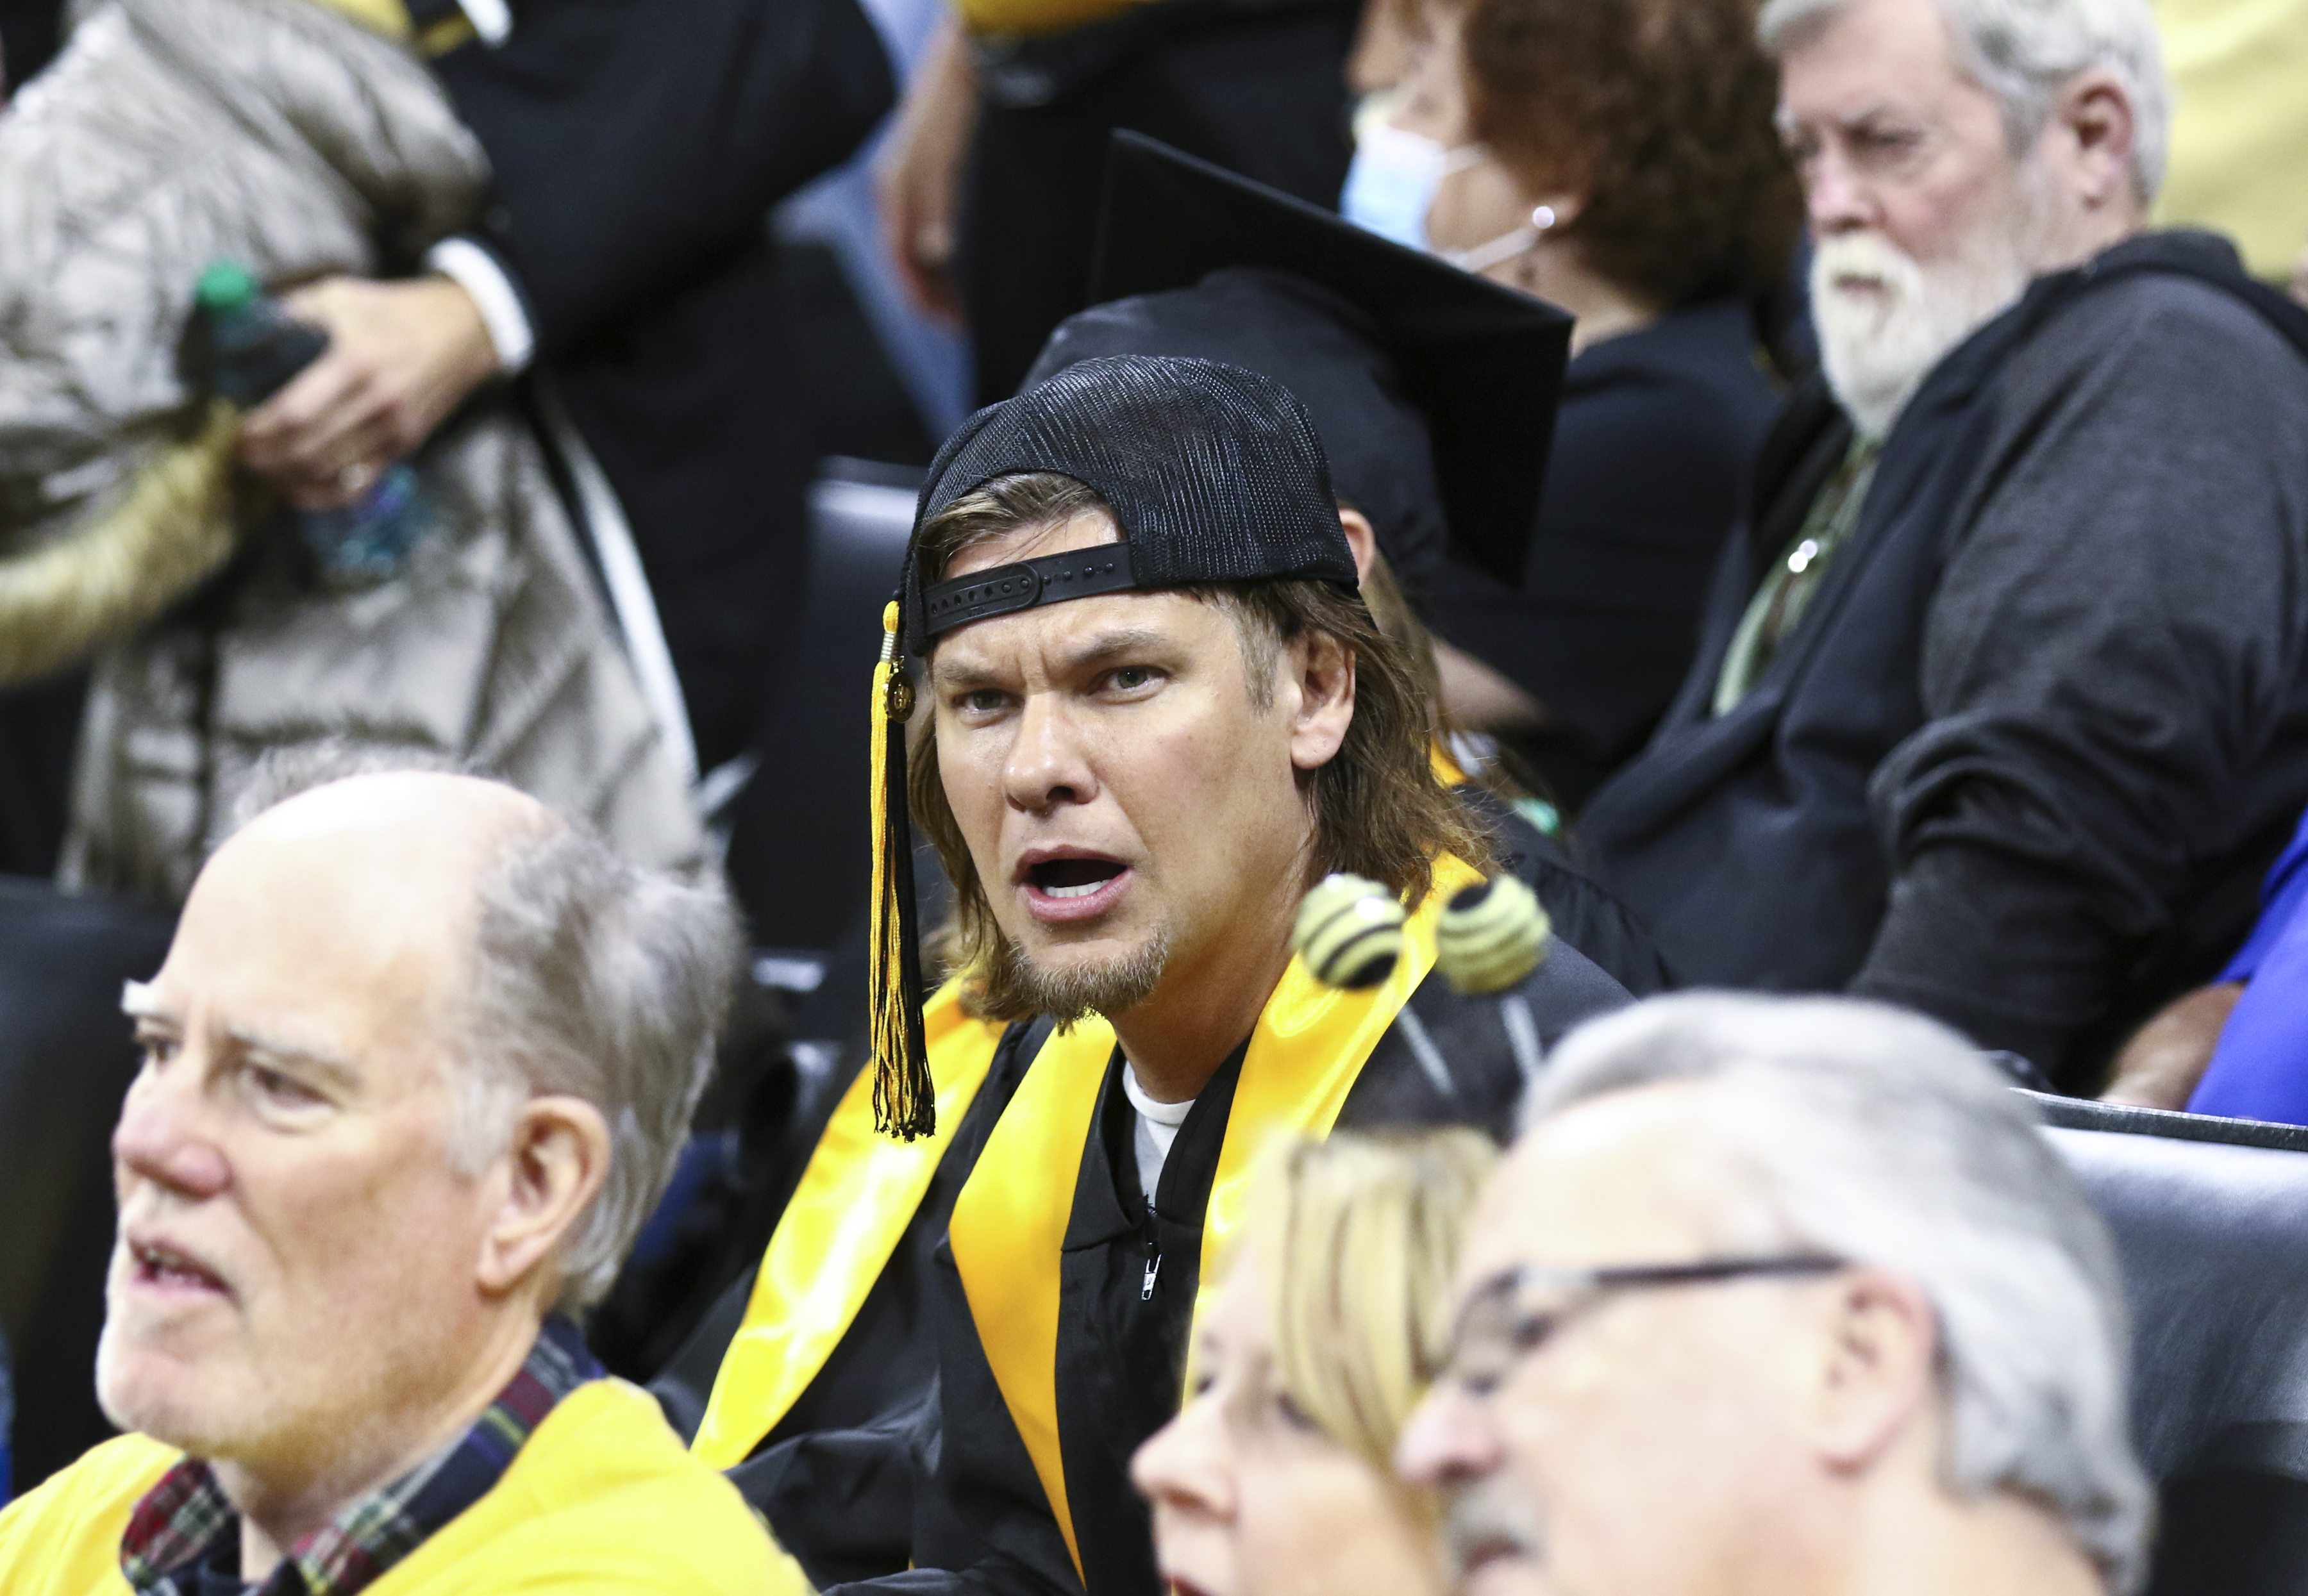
[(1864, 55), (1640, 1176), (350, 939), (1062, 641)]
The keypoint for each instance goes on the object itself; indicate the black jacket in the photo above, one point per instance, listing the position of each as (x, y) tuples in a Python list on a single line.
[(1648, 474), (2046, 721), (637, 149)]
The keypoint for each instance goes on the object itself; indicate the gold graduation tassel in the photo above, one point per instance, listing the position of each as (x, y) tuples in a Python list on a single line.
[(905, 1098)]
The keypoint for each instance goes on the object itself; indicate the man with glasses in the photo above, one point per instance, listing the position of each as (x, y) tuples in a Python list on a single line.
[(1783, 1295)]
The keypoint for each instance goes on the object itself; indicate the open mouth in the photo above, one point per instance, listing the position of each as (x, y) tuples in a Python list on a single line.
[(165, 1269), (1069, 879), (1064, 887)]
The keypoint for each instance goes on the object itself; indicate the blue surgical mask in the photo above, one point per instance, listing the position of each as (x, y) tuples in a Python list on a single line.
[(1392, 183)]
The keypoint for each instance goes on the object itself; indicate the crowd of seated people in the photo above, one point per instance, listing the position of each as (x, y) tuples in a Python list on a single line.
[(1737, 494)]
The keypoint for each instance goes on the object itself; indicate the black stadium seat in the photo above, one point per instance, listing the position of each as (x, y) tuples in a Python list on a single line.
[(2211, 1218), (799, 859), (66, 1059)]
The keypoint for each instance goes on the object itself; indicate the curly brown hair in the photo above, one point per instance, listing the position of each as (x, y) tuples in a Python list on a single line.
[(1379, 809), (1659, 113)]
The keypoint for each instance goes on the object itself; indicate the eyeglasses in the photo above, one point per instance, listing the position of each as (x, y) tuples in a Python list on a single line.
[(1515, 1312)]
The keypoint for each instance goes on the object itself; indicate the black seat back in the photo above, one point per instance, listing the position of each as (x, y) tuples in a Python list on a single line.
[(800, 854), (2214, 1239), (66, 1059)]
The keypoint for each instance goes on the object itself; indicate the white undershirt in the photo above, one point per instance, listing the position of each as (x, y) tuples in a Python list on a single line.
[(1158, 1127)]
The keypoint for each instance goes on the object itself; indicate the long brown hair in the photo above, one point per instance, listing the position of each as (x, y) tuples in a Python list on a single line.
[(1379, 809)]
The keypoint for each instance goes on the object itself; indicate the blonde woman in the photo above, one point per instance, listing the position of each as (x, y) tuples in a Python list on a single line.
[(1275, 1479)]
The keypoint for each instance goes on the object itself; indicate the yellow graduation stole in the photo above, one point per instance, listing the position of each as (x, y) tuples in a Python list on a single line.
[(835, 1238), (1010, 1222)]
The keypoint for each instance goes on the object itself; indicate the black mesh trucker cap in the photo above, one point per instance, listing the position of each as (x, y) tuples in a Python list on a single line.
[(1480, 365), (1213, 473), (1322, 347)]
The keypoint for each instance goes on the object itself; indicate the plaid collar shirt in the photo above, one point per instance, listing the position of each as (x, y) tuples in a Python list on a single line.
[(184, 1531)]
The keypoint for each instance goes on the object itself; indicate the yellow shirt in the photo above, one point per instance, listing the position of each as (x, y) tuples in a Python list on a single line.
[(2239, 71), (602, 1501)]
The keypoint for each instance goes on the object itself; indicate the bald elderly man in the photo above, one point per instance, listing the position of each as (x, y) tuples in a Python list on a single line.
[(1783, 1295), (417, 1067)]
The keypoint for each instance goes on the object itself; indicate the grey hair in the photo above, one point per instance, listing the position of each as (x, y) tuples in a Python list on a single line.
[(1884, 1137), (590, 977), (2025, 52), (595, 977)]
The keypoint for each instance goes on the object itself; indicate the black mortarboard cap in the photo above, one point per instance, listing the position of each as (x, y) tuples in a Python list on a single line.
[(1213, 474), (1482, 363)]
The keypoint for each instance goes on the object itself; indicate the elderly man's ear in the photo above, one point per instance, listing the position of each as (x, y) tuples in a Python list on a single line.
[(2087, 141), (1876, 1372), (542, 1186)]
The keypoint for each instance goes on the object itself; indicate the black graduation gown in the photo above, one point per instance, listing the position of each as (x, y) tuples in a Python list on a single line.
[(1127, 1289), (2045, 723), (835, 1476)]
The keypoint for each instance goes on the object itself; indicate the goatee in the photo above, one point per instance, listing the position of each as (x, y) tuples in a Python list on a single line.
[(1017, 988)]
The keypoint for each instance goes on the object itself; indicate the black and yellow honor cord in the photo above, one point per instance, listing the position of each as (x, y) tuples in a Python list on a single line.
[(905, 1099)]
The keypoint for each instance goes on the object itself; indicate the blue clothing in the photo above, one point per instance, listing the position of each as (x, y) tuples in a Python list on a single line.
[(2280, 898), (2260, 1070)]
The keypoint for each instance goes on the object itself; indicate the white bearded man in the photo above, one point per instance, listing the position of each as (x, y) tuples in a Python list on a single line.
[(1999, 708)]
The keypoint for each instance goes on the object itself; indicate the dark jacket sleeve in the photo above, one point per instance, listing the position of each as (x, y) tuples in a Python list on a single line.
[(637, 147), (2112, 666)]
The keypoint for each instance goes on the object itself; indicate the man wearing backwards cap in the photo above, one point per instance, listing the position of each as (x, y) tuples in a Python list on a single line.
[(1403, 361), (1319, 345), (1157, 714), (1432, 393)]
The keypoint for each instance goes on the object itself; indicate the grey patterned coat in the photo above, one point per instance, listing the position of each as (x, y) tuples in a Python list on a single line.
[(172, 134)]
